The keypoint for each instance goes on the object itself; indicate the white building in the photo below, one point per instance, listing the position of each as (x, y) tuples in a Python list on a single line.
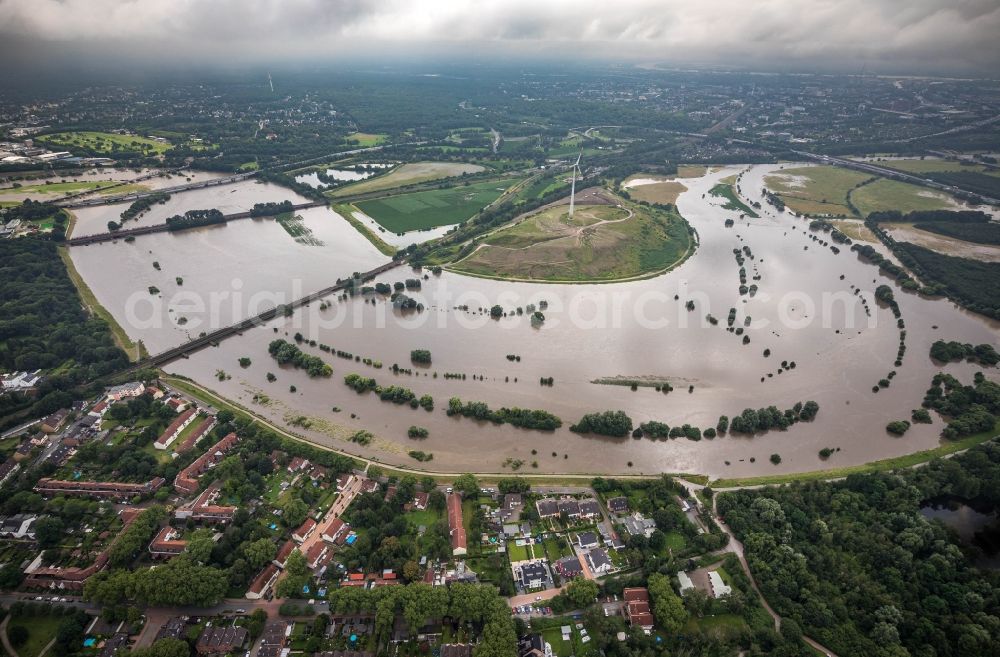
[(20, 380), (719, 588)]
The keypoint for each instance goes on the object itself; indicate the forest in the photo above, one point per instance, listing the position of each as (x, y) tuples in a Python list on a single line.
[(858, 567), (43, 325)]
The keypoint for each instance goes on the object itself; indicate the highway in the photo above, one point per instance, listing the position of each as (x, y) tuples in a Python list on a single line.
[(869, 167), (228, 180), (135, 196)]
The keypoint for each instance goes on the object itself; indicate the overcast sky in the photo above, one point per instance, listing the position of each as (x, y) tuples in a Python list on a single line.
[(895, 36)]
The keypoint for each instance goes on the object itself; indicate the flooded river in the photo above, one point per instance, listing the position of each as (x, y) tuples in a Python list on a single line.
[(804, 311)]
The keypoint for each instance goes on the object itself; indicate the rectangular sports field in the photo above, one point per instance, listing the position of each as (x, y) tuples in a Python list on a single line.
[(436, 207)]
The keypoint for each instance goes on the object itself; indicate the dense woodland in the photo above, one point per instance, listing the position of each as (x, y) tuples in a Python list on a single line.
[(43, 325), (863, 572)]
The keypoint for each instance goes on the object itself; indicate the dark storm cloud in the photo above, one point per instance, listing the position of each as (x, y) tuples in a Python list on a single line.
[(957, 35)]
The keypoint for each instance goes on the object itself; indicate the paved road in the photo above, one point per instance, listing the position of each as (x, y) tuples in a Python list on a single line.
[(736, 547)]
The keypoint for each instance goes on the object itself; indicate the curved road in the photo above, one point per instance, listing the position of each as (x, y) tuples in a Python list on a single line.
[(736, 547)]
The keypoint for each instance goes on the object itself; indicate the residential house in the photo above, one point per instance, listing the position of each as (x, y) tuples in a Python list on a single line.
[(637, 609), (599, 561), (167, 543), (274, 638), (512, 500), (532, 575), (53, 422), (569, 567), (685, 582), (260, 585), (18, 526), (98, 489), (315, 554), (547, 508), (199, 432), (296, 464), (456, 527), (533, 645), (175, 428), (587, 540), (589, 509), (570, 507), (205, 509), (304, 530), (719, 588), (286, 550), (20, 381), (221, 640), (335, 531), (420, 500), (637, 524), (133, 389), (8, 469), (186, 480)]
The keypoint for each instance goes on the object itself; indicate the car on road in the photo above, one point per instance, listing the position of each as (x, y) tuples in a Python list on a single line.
[(241, 610)]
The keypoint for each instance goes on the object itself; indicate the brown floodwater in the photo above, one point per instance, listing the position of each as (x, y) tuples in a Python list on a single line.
[(803, 312), (228, 199)]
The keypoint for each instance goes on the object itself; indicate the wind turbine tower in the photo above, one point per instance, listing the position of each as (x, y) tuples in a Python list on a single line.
[(270, 82), (572, 188)]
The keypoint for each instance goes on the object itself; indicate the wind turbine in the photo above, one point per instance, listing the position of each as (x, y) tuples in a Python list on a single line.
[(270, 82), (572, 189)]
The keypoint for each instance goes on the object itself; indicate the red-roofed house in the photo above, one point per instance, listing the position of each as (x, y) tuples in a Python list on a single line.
[(176, 427), (303, 532), (283, 553), (420, 501), (637, 608), (186, 480), (315, 554), (456, 528), (335, 531), (167, 543), (262, 582)]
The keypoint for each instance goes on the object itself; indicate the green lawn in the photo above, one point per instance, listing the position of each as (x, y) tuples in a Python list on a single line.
[(366, 140), (70, 187), (518, 552), (729, 625), (894, 195), (599, 243), (554, 638), (103, 142), (41, 630), (553, 549), (436, 207), (410, 173), (425, 518), (733, 201), (905, 461), (676, 541)]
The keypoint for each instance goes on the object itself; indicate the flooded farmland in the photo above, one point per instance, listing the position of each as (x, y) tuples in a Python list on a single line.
[(804, 310)]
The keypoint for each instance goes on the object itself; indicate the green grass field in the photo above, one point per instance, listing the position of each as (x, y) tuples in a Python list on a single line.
[(600, 243), (41, 630), (934, 164), (104, 142), (894, 195), (518, 552), (819, 190), (71, 187), (435, 207), (733, 202), (366, 140), (410, 173), (905, 461)]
